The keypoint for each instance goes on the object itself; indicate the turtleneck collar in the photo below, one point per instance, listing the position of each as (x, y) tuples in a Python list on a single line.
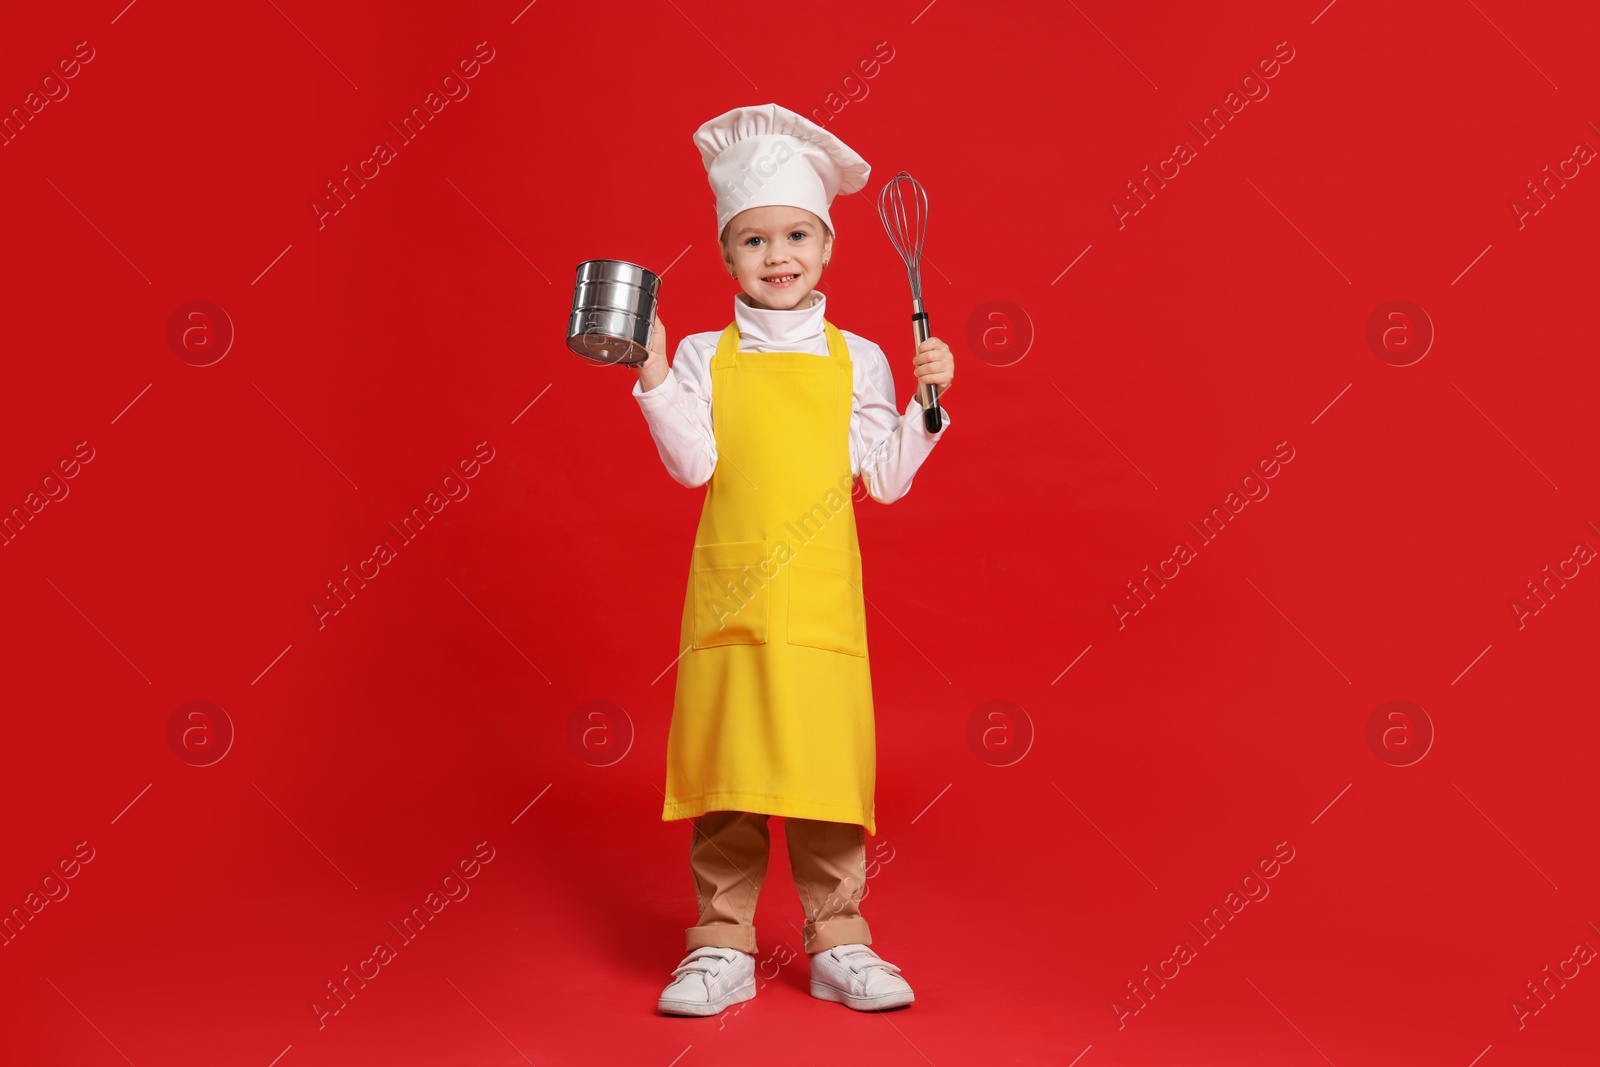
[(765, 326)]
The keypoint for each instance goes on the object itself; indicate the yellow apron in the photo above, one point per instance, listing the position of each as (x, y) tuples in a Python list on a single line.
[(773, 708)]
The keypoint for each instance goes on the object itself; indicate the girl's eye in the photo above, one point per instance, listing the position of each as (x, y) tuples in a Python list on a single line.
[(752, 240), (799, 233)]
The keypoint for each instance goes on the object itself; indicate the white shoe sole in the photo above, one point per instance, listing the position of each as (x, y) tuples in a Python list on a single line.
[(824, 991), (715, 1007)]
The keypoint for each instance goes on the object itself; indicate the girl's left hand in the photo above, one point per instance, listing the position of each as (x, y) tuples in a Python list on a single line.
[(934, 364)]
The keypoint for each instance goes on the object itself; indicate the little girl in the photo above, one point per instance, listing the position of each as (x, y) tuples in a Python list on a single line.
[(773, 710)]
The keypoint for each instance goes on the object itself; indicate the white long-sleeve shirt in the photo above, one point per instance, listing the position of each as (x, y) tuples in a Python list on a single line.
[(886, 447)]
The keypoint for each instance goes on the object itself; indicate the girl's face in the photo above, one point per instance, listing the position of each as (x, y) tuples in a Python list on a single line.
[(776, 253)]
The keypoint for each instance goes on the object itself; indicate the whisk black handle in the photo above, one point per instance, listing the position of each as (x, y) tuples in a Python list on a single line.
[(927, 395)]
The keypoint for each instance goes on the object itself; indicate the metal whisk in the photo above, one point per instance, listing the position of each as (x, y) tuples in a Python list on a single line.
[(903, 207)]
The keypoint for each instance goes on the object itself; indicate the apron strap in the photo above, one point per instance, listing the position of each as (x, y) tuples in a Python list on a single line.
[(837, 348), (728, 343)]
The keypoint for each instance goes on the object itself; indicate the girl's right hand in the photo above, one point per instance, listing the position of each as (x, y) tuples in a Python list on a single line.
[(654, 369)]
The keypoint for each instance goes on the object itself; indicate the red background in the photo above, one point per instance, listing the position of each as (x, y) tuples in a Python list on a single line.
[(436, 710)]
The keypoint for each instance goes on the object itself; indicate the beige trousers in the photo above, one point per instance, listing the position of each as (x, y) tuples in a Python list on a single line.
[(728, 855)]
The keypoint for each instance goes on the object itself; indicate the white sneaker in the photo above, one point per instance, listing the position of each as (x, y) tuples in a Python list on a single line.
[(855, 976), (708, 980)]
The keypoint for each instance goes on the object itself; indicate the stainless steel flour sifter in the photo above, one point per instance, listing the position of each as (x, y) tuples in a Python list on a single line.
[(613, 304)]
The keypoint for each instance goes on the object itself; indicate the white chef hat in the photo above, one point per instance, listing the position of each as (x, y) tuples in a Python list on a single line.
[(767, 155)]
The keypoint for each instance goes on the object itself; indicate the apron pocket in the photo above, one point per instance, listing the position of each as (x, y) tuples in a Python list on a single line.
[(730, 594), (825, 601)]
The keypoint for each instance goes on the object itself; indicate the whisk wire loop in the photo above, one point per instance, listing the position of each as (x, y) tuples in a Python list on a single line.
[(903, 208)]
